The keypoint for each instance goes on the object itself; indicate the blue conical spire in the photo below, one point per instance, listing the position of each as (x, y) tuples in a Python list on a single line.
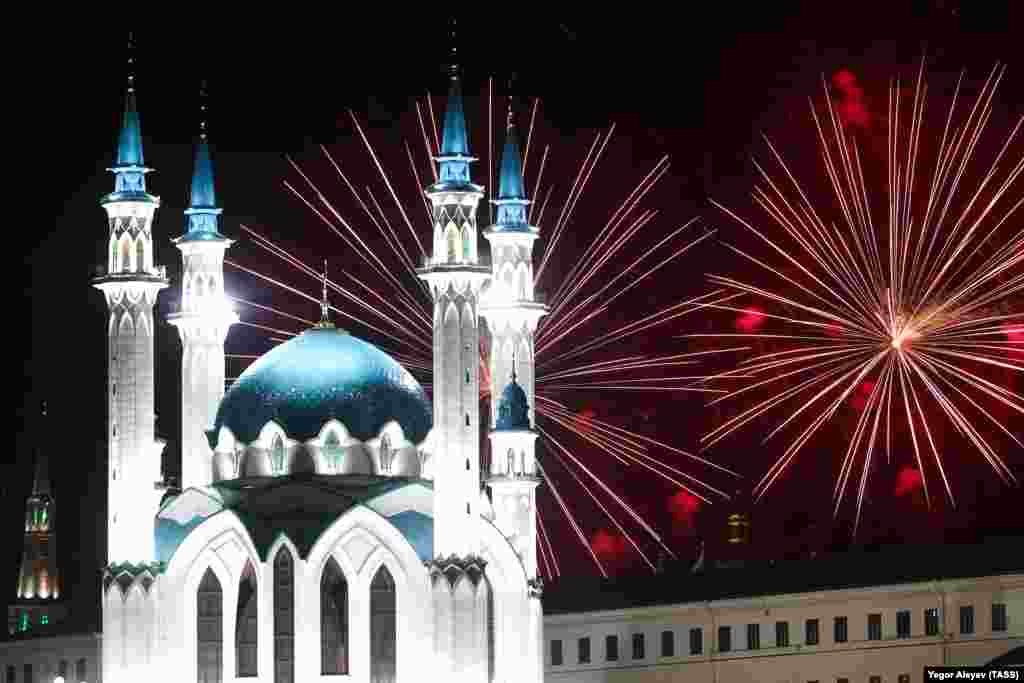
[(202, 211), (455, 141), (129, 168), (511, 199)]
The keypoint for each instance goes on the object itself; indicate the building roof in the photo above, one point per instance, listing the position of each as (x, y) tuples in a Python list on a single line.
[(320, 375), (889, 566)]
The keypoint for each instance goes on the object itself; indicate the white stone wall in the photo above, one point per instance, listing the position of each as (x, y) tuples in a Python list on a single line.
[(131, 287), (856, 659), (203, 321)]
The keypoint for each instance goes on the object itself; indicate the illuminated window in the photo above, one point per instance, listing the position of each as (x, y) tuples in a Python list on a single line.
[(140, 254), (277, 455), (44, 620), (209, 629), (333, 620), (382, 627), (332, 452), (246, 625)]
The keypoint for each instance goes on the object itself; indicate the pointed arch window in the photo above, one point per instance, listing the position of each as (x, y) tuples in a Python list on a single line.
[(246, 625), (382, 627), (277, 455), (386, 454), (140, 254), (333, 621), (332, 452), (511, 462), (209, 629), (453, 244), (126, 255), (284, 617), (113, 257)]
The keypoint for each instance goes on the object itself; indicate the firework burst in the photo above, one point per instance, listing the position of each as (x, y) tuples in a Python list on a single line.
[(911, 317), (395, 307)]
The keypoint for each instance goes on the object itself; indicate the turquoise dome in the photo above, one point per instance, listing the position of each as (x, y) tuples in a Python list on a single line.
[(513, 409), (320, 375)]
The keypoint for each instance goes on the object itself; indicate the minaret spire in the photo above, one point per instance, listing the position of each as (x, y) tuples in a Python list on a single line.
[(129, 168), (203, 211)]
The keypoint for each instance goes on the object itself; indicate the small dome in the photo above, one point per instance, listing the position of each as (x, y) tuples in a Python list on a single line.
[(320, 375), (513, 410)]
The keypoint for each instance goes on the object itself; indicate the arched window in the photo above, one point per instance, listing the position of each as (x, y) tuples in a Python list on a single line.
[(382, 627), (126, 255), (246, 625), (511, 462), (386, 454), (113, 257), (453, 244), (467, 246), (277, 455), (81, 670), (332, 452), (209, 629), (140, 254), (333, 620), (284, 618)]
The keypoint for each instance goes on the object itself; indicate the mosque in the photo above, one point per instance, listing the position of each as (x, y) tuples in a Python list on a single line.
[(332, 520)]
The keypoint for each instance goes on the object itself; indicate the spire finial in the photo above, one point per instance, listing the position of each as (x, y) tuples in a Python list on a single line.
[(325, 311), (131, 62), (453, 59), (202, 110)]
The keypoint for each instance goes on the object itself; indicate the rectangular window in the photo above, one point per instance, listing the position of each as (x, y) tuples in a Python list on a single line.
[(668, 644), (931, 621), (29, 678), (781, 634), (966, 619), (874, 627), (839, 630), (11, 674), (611, 648), (903, 623), (842, 680), (724, 638), (812, 632), (753, 636), (874, 679), (638, 646), (584, 650), (999, 621), (696, 641), (556, 653)]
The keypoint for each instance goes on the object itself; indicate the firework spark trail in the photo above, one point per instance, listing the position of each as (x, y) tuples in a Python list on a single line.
[(569, 517), (529, 137), (405, 316), (347, 294), (419, 183), (917, 305), (305, 321), (559, 451), (490, 147)]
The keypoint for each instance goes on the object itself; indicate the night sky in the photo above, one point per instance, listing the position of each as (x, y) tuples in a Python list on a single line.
[(699, 88)]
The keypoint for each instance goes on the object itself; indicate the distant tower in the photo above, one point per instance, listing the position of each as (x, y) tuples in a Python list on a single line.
[(203, 319), (455, 278), (512, 313), (131, 285), (39, 578)]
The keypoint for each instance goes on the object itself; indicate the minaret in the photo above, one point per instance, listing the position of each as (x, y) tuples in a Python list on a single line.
[(131, 285), (512, 313), (455, 278), (203, 318), (39, 579)]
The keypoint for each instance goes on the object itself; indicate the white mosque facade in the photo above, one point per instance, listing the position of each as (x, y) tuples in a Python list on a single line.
[(331, 522)]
